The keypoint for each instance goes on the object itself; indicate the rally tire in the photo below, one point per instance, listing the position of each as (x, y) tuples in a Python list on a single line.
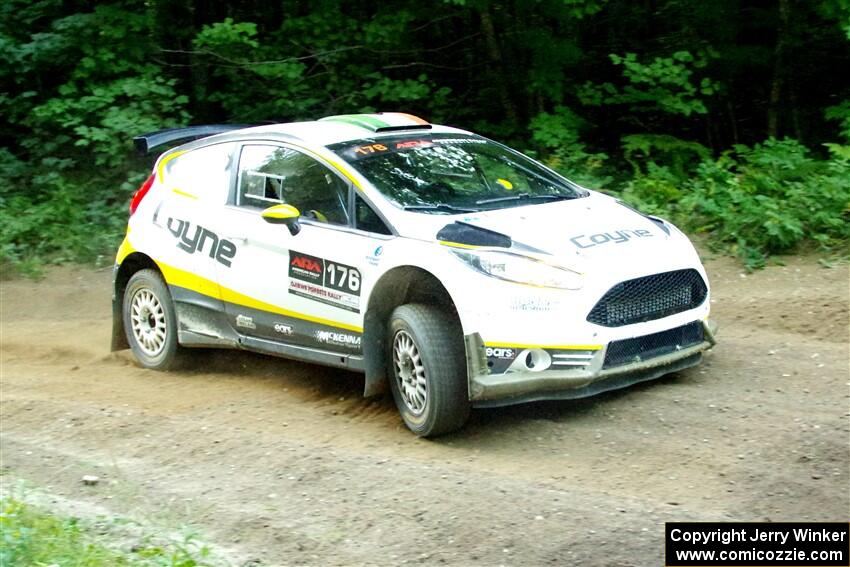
[(428, 376), (150, 322)]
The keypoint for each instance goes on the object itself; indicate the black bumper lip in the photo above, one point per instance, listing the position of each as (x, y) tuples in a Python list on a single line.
[(521, 387)]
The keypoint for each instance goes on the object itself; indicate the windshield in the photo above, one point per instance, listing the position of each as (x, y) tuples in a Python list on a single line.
[(451, 174)]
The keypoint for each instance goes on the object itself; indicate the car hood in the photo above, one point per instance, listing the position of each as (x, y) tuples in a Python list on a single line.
[(581, 234)]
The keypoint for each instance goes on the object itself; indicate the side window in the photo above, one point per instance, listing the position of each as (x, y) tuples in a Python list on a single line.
[(203, 173), (269, 175), (367, 219)]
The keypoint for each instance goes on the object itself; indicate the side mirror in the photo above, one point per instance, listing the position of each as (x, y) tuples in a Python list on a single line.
[(283, 214)]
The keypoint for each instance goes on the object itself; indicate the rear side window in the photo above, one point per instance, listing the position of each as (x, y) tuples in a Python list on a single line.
[(270, 175), (203, 173)]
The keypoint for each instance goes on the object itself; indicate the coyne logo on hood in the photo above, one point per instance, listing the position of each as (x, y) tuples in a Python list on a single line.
[(618, 236)]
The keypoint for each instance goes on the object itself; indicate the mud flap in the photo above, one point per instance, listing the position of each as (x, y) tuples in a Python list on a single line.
[(374, 355), (119, 338), (476, 361)]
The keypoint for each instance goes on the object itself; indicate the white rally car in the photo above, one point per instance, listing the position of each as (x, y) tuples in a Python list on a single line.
[(444, 265)]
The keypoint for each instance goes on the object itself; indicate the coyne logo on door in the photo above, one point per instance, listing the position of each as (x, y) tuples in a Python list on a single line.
[(221, 249)]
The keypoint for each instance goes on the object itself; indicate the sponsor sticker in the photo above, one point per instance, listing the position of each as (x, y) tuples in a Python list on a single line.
[(306, 268), (283, 329), (375, 257), (533, 304), (617, 237), (324, 281), (337, 338), (245, 322), (501, 353)]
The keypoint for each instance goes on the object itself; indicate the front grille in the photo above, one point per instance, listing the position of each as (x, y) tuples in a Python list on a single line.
[(648, 298), (650, 346)]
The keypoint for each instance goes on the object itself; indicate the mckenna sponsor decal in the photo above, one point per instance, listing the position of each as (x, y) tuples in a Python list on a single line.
[(617, 237), (501, 353), (335, 338)]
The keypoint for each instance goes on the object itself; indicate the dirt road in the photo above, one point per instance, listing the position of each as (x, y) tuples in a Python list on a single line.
[(285, 464)]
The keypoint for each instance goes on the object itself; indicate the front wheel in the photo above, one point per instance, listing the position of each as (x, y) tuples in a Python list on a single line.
[(429, 382), (150, 322)]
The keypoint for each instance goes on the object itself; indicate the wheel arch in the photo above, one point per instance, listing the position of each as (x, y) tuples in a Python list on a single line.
[(121, 275), (400, 285)]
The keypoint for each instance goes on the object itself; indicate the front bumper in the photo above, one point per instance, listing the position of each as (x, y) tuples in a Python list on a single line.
[(493, 390)]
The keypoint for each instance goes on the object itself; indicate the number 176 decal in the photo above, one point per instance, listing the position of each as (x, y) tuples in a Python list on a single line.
[(324, 281)]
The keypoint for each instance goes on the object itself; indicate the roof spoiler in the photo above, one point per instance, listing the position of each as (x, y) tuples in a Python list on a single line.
[(148, 142)]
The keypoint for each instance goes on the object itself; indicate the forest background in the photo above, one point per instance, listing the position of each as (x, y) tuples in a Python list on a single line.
[(729, 117)]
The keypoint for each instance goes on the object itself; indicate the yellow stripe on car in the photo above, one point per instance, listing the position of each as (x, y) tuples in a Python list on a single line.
[(125, 249), (181, 278), (183, 194), (337, 165), (160, 169), (459, 245), (550, 347)]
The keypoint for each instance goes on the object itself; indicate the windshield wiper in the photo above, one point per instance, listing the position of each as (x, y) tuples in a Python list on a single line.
[(439, 207), (524, 197)]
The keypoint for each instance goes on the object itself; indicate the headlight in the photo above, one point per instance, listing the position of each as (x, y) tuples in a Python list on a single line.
[(519, 269)]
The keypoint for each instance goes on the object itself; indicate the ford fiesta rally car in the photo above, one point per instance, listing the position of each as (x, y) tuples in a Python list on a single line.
[(440, 263)]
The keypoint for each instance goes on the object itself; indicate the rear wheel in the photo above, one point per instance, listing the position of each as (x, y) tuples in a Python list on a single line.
[(429, 382), (150, 321)]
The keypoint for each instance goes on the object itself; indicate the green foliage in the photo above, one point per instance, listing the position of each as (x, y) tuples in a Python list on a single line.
[(85, 86), (666, 84), (644, 94), (31, 536), (581, 8), (755, 201), (838, 10), (66, 226), (656, 149), (97, 117), (558, 135), (841, 114)]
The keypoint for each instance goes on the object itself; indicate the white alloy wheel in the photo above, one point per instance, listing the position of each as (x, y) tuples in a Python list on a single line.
[(148, 321), (410, 373)]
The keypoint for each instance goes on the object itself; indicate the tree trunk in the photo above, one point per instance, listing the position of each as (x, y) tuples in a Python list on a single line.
[(778, 61), (497, 70)]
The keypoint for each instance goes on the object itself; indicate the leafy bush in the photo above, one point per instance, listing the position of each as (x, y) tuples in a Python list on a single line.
[(666, 84), (558, 134), (756, 201), (65, 183), (653, 85)]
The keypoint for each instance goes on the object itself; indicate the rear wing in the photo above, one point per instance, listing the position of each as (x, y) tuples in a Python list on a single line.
[(148, 142)]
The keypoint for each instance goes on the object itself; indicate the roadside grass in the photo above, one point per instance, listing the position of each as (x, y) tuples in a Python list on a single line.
[(31, 536)]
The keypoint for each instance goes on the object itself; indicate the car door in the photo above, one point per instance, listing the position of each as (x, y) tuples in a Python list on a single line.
[(301, 290)]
